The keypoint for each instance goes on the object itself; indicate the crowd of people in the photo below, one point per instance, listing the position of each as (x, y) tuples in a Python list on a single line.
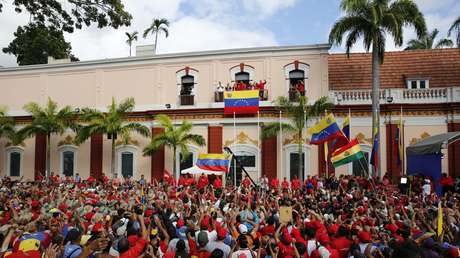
[(328, 218)]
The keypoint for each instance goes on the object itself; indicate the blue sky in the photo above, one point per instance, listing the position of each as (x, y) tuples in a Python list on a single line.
[(218, 24)]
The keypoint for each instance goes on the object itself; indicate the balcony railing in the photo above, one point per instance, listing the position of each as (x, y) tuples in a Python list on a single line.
[(187, 100), (404, 96)]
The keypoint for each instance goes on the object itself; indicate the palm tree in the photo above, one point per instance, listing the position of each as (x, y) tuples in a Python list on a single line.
[(131, 38), (455, 28), (112, 123), (373, 20), (427, 42), (157, 26), (299, 114), (6, 124), (174, 137), (48, 120)]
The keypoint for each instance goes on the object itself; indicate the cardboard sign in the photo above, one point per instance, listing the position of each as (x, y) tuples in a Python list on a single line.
[(285, 214)]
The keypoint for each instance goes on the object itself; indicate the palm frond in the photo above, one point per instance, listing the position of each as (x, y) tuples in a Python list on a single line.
[(138, 128), (195, 139), (127, 105), (164, 121), (444, 43), (156, 143)]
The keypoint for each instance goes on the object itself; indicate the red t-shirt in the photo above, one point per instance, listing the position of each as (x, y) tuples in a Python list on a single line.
[(217, 183), (136, 250), (285, 184), (246, 182), (342, 245), (286, 250)]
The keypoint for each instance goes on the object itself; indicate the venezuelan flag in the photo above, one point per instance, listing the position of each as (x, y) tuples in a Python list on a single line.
[(241, 102), (346, 127), (346, 154), (374, 157), (213, 162), (324, 130)]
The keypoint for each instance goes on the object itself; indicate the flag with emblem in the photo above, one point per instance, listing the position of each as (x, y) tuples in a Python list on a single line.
[(241, 102), (346, 154), (325, 130)]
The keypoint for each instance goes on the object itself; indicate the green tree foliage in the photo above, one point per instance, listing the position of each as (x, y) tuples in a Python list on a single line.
[(455, 29), (157, 26), (34, 42), (373, 21), (175, 137), (67, 15), (427, 42)]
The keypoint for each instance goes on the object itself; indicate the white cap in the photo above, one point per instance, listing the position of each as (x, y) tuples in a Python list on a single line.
[(243, 229)]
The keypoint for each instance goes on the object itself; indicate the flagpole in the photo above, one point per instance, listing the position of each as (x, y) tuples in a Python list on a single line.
[(281, 148), (234, 142), (349, 123), (258, 144), (401, 139)]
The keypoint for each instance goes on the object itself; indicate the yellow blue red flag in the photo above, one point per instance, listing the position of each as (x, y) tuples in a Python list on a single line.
[(241, 102), (324, 130)]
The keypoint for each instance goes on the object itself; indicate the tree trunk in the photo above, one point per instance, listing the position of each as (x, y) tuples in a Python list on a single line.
[(299, 173), (174, 163), (129, 49), (48, 155), (112, 165), (375, 102), (156, 40)]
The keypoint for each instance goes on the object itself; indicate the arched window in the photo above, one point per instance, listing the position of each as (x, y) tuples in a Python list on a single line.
[(68, 160), (189, 161), (187, 79), (187, 84), (126, 161), (292, 162), (362, 167), (14, 161), (296, 74), (242, 73), (248, 156)]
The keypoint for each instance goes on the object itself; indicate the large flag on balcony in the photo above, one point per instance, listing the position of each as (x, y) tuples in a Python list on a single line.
[(241, 102), (346, 154), (325, 130)]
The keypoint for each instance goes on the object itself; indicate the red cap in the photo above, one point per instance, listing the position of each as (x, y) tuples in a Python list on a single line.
[(324, 239), (35, 204), (365, 237), (148, 213), (221, 233), (89, 215), (204, 222), (97, 227), (333, 229), (392, 228), (180, 223)]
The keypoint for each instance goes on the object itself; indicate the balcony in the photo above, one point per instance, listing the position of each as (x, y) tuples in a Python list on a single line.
[(219, 95), (187, 100), (400, 96)]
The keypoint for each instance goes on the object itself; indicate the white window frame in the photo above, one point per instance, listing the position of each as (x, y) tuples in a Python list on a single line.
[(291, 67), (364, 148), (294, 148), (66, 148), (409, 83), (247, 150), (119, 151), (193, 151), (8, 151), (181, 73), (246, 68)]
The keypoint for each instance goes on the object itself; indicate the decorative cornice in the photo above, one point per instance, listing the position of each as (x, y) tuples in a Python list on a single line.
[(127, 141), (422, 136), (362, 138), (68, 140), (295, 140), (9, 144), (241, 138)]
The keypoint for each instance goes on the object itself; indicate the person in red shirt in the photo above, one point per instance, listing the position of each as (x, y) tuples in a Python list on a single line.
[(136, 249), (295, 184), (202, 182), (217, 183), (301, 88), (341, 243), (246, 182), (447, 183), (275, 183), (285, 184), (182, 181), (324, 249)]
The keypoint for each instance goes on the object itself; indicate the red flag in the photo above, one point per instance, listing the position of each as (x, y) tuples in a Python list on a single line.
[(168, 178)]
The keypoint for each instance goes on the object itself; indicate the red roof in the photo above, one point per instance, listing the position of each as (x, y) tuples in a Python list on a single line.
[(440, 66)]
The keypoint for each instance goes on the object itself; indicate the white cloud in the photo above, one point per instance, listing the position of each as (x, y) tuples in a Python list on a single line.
[(267, 7)]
